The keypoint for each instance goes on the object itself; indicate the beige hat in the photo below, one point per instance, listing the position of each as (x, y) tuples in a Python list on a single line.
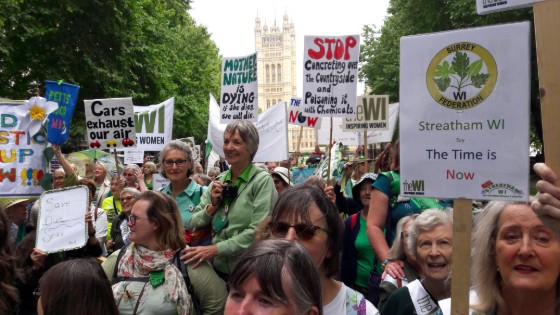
[(283, 173), (14, 202)]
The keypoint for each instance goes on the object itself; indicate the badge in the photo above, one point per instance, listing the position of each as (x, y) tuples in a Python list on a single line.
[(226, 209), (191, 208)]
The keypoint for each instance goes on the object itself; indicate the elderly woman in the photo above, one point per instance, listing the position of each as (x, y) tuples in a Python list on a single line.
[(429, 239), (120, 231), (516, 257), (177, 166), (148, 170), (305, 215), (112, 204), (236, 203), (357, 255), (77, 286), (146, 277), (98, 216), (400, 251), (134, 177), (387, 208), (274, 275), (102, 184)]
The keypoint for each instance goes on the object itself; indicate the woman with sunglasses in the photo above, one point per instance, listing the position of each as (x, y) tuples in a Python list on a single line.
[(146, 278), (178, 166), (305, 215), (236, 202)]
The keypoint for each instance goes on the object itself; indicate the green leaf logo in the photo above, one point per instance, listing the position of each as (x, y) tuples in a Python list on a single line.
[(461, 71)]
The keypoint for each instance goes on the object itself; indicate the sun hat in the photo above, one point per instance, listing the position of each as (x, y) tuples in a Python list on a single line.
[(14, 202), (356, 189), (283, 173)]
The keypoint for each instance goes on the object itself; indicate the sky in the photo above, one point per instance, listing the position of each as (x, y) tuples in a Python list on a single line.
[(232, 23)]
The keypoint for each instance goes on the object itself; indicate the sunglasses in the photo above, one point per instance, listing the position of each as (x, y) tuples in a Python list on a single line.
[(304, 231)]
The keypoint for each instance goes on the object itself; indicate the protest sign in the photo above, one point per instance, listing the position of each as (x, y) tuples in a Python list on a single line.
[(297, 117), (65, 95), (21, 155), (330, 75), (239, 98), (330, 164), (357, 137), (110, 123), (491, 6), (154, 125), (133, 156), (61, 225), (272, 126), (159, 181), (372, 113), (464, 124)]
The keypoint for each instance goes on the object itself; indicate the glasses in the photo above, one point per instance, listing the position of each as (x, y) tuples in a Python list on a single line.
[(128, 174), (132, 219), (304, 231), (179, 163), (126, 199)]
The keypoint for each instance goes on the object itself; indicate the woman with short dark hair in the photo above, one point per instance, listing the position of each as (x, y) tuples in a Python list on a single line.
[(283, 272), (76, 286)]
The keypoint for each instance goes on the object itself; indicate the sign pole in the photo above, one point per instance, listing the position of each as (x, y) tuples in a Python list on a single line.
[(547, 28), (299, 138), (366, 151), (329, 158), (117, 162), (461, 257)]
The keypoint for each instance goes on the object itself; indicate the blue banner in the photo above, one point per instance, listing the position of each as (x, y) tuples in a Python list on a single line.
[(65, 95)]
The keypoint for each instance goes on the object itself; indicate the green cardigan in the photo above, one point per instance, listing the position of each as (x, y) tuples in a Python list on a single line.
[(254, 201)]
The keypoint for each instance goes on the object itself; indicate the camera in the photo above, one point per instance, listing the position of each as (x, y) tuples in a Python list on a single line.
[(229, 192)]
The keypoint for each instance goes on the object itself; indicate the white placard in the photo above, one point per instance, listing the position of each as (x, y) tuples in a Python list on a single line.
[(372, 113), (239, 98), (159, 182), (330, 75), (297, 117), (491, 6), (464, 122), (154, 125), (110, 123), (61, 225), (133, 156)]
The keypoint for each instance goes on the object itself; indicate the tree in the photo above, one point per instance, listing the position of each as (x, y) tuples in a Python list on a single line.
[(380, 49), (149, 50)]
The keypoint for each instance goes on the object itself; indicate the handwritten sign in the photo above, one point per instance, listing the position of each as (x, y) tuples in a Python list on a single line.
[(159, 181), (297, 117), (330, 75), (464, 123), (110, 123), (372, 113), (61, 225), (133, 156), (239, 99), (21, 155)]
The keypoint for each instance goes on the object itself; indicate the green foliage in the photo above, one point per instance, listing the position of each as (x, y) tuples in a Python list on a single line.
[(461, 70), (149, 50), (380, 49)]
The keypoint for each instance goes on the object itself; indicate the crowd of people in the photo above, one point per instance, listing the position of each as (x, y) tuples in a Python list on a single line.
[(242, 238)]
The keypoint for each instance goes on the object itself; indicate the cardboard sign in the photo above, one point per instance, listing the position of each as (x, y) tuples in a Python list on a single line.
[(239, 99), (464, 123), (356, 137), (65, 95), (372, 113), (491, 6), (159, 181), (110, 123), (297, 117), (21, 155), (61, 225), (330, 75), (154, 125)]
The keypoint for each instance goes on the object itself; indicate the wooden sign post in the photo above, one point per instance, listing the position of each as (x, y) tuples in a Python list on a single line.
[(547, 28)]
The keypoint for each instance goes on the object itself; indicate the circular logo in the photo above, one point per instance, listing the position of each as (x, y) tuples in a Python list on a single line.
[(461, 76)]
